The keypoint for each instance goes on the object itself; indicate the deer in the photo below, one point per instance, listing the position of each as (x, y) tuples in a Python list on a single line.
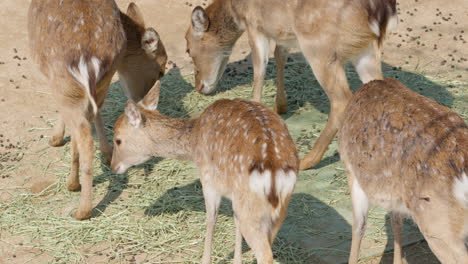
[(244, 153), (78, 46), (329, 34), (408, 154)]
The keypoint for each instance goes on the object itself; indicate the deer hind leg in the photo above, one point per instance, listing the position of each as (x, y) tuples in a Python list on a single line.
[(397, 226), (360, 209), (367, 64), (56, 139), (260, 49), (212, 202), (82, 142), (255, 226), (330, 74), (106, 148), (73, 181), (281, 56), (238, 247)]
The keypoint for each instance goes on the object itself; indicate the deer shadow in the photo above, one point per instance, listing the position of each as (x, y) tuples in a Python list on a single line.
[(313, 232)]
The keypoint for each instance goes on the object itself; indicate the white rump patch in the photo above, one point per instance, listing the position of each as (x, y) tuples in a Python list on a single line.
[(96, 64), (392, 23), (260, 183), (374, 26), (81, 75), (360, 203), (285, 182), (460, 189)]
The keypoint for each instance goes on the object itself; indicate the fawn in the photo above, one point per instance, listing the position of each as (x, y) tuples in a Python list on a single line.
[(409, 155), (243, 150), (329, 33), (79, 45)]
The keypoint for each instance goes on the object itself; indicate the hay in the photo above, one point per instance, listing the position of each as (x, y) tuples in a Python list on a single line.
[(155, 212)]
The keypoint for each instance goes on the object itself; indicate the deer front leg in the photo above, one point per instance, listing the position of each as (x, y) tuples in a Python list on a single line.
[(281, 103), (260, 48)]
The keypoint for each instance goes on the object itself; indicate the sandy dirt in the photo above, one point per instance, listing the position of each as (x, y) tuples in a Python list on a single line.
[(430, 40)]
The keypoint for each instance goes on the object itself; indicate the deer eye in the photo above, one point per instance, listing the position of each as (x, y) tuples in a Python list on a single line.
[(118, 141)]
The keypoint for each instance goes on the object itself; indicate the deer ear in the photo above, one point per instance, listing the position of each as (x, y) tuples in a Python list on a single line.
[(133, 12), (200, 20), (149, 41), (151, 99), (133, 114)]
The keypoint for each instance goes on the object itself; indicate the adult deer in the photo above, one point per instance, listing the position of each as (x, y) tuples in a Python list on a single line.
[(409, 155), (244, 152), (329, 33), (79, 45)]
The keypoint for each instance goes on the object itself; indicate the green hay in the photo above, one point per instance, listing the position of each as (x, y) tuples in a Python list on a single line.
[(155, 212)]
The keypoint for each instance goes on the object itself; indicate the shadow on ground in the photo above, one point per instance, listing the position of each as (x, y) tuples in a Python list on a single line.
[(312, 232)]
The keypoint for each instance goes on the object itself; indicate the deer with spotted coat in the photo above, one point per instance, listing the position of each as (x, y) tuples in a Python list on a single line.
[(79, 45), (409, 155), (329, 33), (243, 150)]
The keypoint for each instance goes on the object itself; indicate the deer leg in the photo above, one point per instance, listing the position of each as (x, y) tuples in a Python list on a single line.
[(281, 103), (397, 226), (56, 139), (360, 209), (82, 141), (331, 76), (260, 49), (367, 64), (106, 148), (238, 246), (212, 202), (73, 181)]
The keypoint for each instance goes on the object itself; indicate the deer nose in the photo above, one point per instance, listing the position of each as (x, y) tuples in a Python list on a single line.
[(118, 169), (201, 87)]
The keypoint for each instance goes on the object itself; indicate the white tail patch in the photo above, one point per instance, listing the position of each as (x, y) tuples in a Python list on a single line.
[(285, 182), (260, 183), (460, 189), (96, 65), (81, 75)]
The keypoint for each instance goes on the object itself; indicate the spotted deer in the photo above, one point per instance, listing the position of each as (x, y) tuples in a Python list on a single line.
[(329, 33), (243, 150), (79, 45), (409, 155)]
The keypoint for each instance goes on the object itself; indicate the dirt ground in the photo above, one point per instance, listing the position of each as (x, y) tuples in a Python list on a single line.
[(430, 41)]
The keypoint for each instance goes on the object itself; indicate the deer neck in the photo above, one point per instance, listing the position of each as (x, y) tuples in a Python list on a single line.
[(171, 137), (224, 23)]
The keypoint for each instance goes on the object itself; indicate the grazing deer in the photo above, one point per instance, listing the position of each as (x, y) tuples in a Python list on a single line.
[(409, 155), (244, 153), (79, 45), (329, 33)]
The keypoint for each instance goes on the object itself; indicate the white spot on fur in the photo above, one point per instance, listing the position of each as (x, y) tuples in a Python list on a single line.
[(260, 183), (81, 75), (460, 189), (96, 65)]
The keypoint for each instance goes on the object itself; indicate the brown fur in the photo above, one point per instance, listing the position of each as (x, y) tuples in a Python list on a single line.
[(405, 151), (237, 144), (79, 45), (329, 33)]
